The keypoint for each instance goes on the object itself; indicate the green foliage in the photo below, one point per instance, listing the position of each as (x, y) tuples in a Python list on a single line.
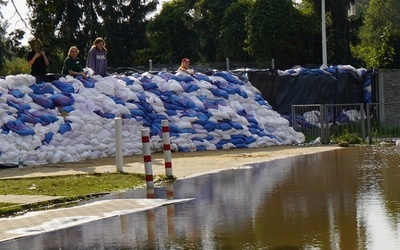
[(352, 138), (380, 35), (62, 24), (233, 34), (170, 34), (272, 32), (15, 66)]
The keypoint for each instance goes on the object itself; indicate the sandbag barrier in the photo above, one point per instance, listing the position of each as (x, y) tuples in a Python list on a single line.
[(72, 119)]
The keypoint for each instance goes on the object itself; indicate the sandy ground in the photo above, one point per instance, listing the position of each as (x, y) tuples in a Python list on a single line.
[(184, 164)]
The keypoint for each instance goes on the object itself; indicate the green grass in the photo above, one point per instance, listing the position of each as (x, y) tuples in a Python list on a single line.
[(74, 188), (74, 185), (7, 204)]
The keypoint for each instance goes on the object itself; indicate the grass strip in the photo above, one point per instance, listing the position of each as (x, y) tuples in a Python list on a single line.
[(73, 187)]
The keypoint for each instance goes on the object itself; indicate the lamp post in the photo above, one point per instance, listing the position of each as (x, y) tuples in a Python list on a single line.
[(324, 54)]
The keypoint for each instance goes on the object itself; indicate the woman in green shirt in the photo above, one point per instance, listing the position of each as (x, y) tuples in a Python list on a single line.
[(72, 65)]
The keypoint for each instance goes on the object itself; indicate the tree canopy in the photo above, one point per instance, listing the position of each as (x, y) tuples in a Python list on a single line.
[(211, 30)]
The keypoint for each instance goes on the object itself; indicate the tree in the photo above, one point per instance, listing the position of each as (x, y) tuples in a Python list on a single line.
[(273, 32), (170, 34), (340, 29), (61, 24), (380, 35), (233, 34), (207, 16)]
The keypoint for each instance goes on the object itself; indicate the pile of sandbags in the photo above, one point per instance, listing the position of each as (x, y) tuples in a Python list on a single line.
[(72, 119)]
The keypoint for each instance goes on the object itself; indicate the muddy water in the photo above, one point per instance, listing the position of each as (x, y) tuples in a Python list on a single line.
[(344, 199)]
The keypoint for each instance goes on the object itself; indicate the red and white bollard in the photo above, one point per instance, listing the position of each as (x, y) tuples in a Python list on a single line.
[(167, 148), (147, 158)]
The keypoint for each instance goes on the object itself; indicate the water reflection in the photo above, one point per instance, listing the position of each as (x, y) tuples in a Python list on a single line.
[(344, 199)]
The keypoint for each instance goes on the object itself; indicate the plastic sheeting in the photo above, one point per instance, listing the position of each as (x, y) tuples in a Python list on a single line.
[(72, 119), (340, 84)]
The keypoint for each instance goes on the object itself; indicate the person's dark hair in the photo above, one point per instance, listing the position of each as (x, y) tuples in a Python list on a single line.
[(35, 43)]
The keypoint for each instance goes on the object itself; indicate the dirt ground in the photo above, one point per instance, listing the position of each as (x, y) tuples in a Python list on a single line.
[(184, 164)]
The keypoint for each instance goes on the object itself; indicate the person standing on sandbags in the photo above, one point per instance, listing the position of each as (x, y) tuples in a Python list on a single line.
[(97, 57), (72, 65), (37, 58), (184, 68)]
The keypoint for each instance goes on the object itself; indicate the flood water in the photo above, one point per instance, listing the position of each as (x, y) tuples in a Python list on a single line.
[(344, 199)]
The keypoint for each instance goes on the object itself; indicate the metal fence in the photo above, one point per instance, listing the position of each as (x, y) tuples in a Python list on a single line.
[(371, 123), (197, 66)]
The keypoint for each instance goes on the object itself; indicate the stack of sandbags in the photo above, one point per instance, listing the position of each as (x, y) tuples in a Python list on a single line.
[(73, 119)]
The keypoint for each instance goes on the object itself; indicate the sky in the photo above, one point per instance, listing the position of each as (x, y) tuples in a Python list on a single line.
[(15, 20)]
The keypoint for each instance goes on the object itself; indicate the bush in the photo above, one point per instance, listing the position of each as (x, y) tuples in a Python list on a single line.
[(15, 66)]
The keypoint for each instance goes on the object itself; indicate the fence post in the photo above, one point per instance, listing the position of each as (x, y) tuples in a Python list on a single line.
[(227, 64), (147, 158), (150, 65), (293, 118), (166, 147), (369, 123), (118, 144), (324, 118), (362, 121)]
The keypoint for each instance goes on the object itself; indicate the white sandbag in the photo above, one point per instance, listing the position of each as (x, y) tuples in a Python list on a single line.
[(183, 124), (7, 118), (20, 79), (105, 86), (174, 86)]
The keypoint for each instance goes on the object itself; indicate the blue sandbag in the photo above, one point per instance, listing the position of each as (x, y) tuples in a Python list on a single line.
[(44, 116), (188, 130), (201, 148), (63, 86), (236, 125), (209, 138), (19, 127), (87, 82), (47, 138), (16, 93), (149, 86), (67, 109), (42, 88), (155, 129), (229, 77), (182, 78), (219, 92), (42, 100), (224, 126), (27, 117), (202, 77), (65, 99), (117, 100), (14, 105), (64, 128), (137, 112), (171, 112)]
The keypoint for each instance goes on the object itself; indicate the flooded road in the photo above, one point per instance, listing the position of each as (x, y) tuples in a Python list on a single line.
[(343, 199)]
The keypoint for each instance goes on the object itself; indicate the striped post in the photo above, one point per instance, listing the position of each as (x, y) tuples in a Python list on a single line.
[(118, 145), (167, 148), (147, 158)]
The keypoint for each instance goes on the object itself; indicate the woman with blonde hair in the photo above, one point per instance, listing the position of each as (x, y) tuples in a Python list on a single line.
[(72, 65), (97, 57)]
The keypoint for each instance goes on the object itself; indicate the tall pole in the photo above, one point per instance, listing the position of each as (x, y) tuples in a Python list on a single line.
[(324, 54)]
